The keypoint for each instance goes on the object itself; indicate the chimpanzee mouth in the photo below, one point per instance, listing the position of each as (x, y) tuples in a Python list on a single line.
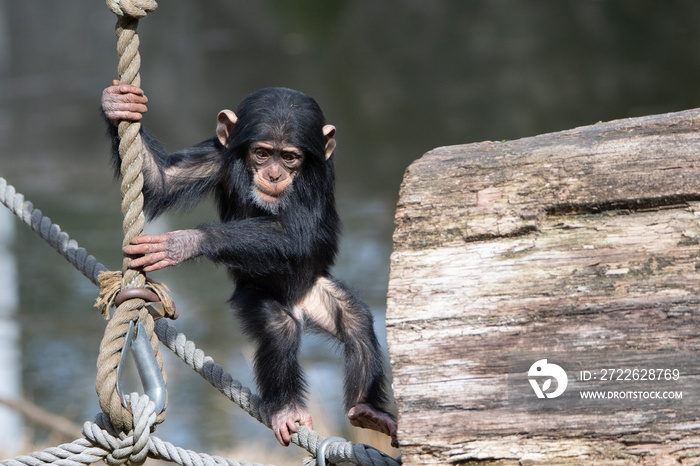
[(269, 201), (270, 193)]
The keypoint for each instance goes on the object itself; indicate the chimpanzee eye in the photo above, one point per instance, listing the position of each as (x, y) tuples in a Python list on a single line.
[(291, 159)]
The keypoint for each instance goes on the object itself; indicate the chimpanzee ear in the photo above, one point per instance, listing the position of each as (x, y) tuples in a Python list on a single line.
[(224, 125), (328, 133)]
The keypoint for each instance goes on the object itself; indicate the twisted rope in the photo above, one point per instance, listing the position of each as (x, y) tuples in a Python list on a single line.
[(103, 443), (50, 232), (110, 356), (135, 8), (130, 148)]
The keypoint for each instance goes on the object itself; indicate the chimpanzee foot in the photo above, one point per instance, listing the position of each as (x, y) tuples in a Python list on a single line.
[(367, 417), (284, 423)]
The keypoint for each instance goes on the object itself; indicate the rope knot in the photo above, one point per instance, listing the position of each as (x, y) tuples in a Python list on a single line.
[(111, 295), (136, 9), (132, 448)]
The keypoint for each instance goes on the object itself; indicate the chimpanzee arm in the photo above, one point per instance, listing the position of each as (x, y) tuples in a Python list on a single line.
[(177, 180), (257, 246), (250, 247)]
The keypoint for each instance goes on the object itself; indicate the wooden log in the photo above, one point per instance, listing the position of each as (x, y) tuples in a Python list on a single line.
[(579, 242)]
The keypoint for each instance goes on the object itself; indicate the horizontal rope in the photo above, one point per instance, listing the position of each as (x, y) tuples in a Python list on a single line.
[(50, 232), (103, 444)]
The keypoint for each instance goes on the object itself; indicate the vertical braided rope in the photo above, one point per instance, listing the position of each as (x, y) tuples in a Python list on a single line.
[(130, 148)]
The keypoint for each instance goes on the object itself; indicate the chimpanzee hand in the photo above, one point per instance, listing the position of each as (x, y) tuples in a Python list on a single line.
[(166, 250), (123, 102)]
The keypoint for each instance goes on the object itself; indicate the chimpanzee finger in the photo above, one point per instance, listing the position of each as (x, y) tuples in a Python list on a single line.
[(129, 116), (306, 421), (130, 98), (130, 89), (159, 265), (150, 239), (122, 90), (282, 437), (115, 105), (286, 436), (125, 107), (147, 260), (146, 248)]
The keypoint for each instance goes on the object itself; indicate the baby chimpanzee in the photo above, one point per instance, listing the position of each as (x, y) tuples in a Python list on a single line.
[(270, 169)]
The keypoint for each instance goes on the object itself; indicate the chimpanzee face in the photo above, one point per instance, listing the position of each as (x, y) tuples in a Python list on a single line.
[(278, 132), (274, 165)]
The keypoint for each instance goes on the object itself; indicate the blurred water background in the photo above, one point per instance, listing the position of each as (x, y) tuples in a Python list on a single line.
[(397, 78)]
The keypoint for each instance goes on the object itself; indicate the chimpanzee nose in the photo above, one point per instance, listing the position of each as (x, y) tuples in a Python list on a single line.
[(274, 174)]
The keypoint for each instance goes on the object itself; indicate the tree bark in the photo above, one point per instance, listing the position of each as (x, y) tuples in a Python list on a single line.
[(583, 241)]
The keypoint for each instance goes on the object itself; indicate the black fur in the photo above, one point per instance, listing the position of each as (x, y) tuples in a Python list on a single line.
[(275, 258)]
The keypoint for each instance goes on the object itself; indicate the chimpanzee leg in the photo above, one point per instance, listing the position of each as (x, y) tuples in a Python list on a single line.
[(277, 334), (333, 308)]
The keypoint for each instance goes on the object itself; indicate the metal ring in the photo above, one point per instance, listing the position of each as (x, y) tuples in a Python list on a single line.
[(126, 294), (321, 450), (147, 367)]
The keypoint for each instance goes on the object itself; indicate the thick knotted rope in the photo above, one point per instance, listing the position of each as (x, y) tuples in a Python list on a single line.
[(110, 292), (130, 147), (104, 443), (134, 8)]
